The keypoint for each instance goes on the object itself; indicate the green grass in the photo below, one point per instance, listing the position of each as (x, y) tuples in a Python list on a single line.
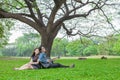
[(90, 69)]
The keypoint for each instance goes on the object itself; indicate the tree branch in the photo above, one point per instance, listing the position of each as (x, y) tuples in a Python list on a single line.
[(4, 14), (70, 31), (30, 6), (107, 19), (57, 6), (67, 9), (68, 17), (38, 13)]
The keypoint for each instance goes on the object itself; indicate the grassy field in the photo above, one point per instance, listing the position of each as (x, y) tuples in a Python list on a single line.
[(90, 69)]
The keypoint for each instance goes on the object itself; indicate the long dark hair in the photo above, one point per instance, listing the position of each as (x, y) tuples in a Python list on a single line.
[(33, 54)]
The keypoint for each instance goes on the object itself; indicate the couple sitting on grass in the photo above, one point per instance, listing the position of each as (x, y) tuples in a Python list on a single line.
[(39, 60)]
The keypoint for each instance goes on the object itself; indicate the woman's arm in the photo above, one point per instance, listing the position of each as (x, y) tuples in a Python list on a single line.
[(35, 62)]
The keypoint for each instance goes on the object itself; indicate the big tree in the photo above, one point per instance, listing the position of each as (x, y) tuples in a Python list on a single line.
[(48, 16)]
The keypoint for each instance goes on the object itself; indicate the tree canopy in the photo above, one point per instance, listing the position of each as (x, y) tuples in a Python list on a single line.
[(49, 16)]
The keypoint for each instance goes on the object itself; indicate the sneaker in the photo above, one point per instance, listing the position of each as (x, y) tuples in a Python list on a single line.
[(72, 66)]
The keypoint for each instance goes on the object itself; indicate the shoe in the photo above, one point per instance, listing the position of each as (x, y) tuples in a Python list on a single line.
[(72, 66)]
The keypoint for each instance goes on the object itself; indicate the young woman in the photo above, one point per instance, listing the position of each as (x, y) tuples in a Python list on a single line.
[(48, 63), (33, 64)]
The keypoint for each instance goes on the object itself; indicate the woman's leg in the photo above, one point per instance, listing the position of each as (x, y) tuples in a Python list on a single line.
[(23, 66), (26, 66)]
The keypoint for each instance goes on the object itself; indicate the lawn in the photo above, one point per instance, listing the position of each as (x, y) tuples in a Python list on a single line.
[(90, 69)]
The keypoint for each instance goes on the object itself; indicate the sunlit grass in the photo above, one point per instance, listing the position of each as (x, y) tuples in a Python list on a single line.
[(90, 69)]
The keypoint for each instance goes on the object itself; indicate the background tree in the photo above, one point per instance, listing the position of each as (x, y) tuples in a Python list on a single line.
[(113, 44), (23, 46), (26, 44), (47, 17), (5, 26), (59, 47), (74, 48), (90, 50)]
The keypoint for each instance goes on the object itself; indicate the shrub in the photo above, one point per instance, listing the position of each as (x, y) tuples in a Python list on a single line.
[(90, 50)]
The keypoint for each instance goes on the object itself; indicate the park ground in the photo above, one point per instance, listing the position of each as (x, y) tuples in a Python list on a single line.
[(92, 68)]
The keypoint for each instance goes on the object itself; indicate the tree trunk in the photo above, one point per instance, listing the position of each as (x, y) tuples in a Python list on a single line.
[(47, 41)]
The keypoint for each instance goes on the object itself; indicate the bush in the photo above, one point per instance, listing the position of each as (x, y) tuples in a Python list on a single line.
[(90, 50), (1, 54)]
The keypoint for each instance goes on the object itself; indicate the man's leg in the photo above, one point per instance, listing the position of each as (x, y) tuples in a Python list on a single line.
[(58, 65)]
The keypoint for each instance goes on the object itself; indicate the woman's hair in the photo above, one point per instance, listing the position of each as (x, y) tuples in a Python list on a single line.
[(40, 48), (33, 54)]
